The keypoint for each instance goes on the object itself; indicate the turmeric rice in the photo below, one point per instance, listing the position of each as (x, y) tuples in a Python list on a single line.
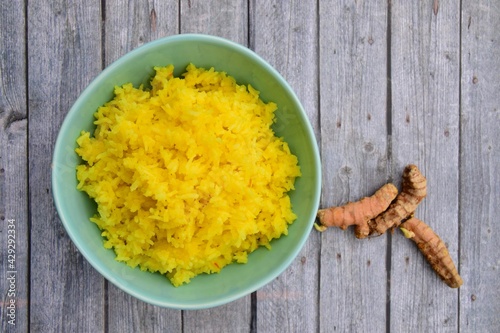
[(188, 176)]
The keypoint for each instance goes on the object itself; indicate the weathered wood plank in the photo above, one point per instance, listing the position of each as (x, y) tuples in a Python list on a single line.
[(14, 241), (126, 313), (425, 131), (352, 74), (228, 318), (227, 19), (223, 18), (279, 29), (128, 25), (479, 162), (64, 54)]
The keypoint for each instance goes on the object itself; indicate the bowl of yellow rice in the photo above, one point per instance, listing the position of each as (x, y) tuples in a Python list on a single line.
[(187, 173)]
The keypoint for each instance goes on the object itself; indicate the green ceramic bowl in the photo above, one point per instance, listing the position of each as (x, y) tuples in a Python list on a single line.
[(236, 280)]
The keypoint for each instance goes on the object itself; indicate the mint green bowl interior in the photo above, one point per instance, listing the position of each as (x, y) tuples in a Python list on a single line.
[(236, 280)]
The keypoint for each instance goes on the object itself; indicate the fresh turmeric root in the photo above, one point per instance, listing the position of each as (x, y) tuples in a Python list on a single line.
[(357, 213), (434, 250), (413, 191), (376, 214)]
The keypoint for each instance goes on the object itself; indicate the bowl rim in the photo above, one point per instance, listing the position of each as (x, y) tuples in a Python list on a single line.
[(73, 111)]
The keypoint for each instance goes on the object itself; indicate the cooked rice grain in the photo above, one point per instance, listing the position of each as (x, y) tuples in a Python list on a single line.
[(188, 177)]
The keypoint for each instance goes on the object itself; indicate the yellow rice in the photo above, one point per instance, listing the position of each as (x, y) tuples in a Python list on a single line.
[(188, 176)]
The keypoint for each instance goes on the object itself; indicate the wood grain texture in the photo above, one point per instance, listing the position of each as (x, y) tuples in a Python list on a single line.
[(64, 54), (234, 317), (223, 18), (425, 62), (353, 83), (479, 162), (14, 232), (128, 25), (127, 313), (278, 31)]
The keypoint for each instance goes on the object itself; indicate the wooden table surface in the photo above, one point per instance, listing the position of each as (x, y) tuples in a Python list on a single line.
[(384, 83)]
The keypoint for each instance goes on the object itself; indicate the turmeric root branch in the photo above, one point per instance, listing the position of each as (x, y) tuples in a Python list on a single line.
[(357, 213), (434, 250), (414, 190)]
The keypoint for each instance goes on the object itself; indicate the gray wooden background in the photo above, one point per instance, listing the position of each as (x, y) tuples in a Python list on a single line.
[(384, 83)]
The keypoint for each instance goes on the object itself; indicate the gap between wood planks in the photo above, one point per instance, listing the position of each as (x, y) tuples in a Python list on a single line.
[(388, 251)]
